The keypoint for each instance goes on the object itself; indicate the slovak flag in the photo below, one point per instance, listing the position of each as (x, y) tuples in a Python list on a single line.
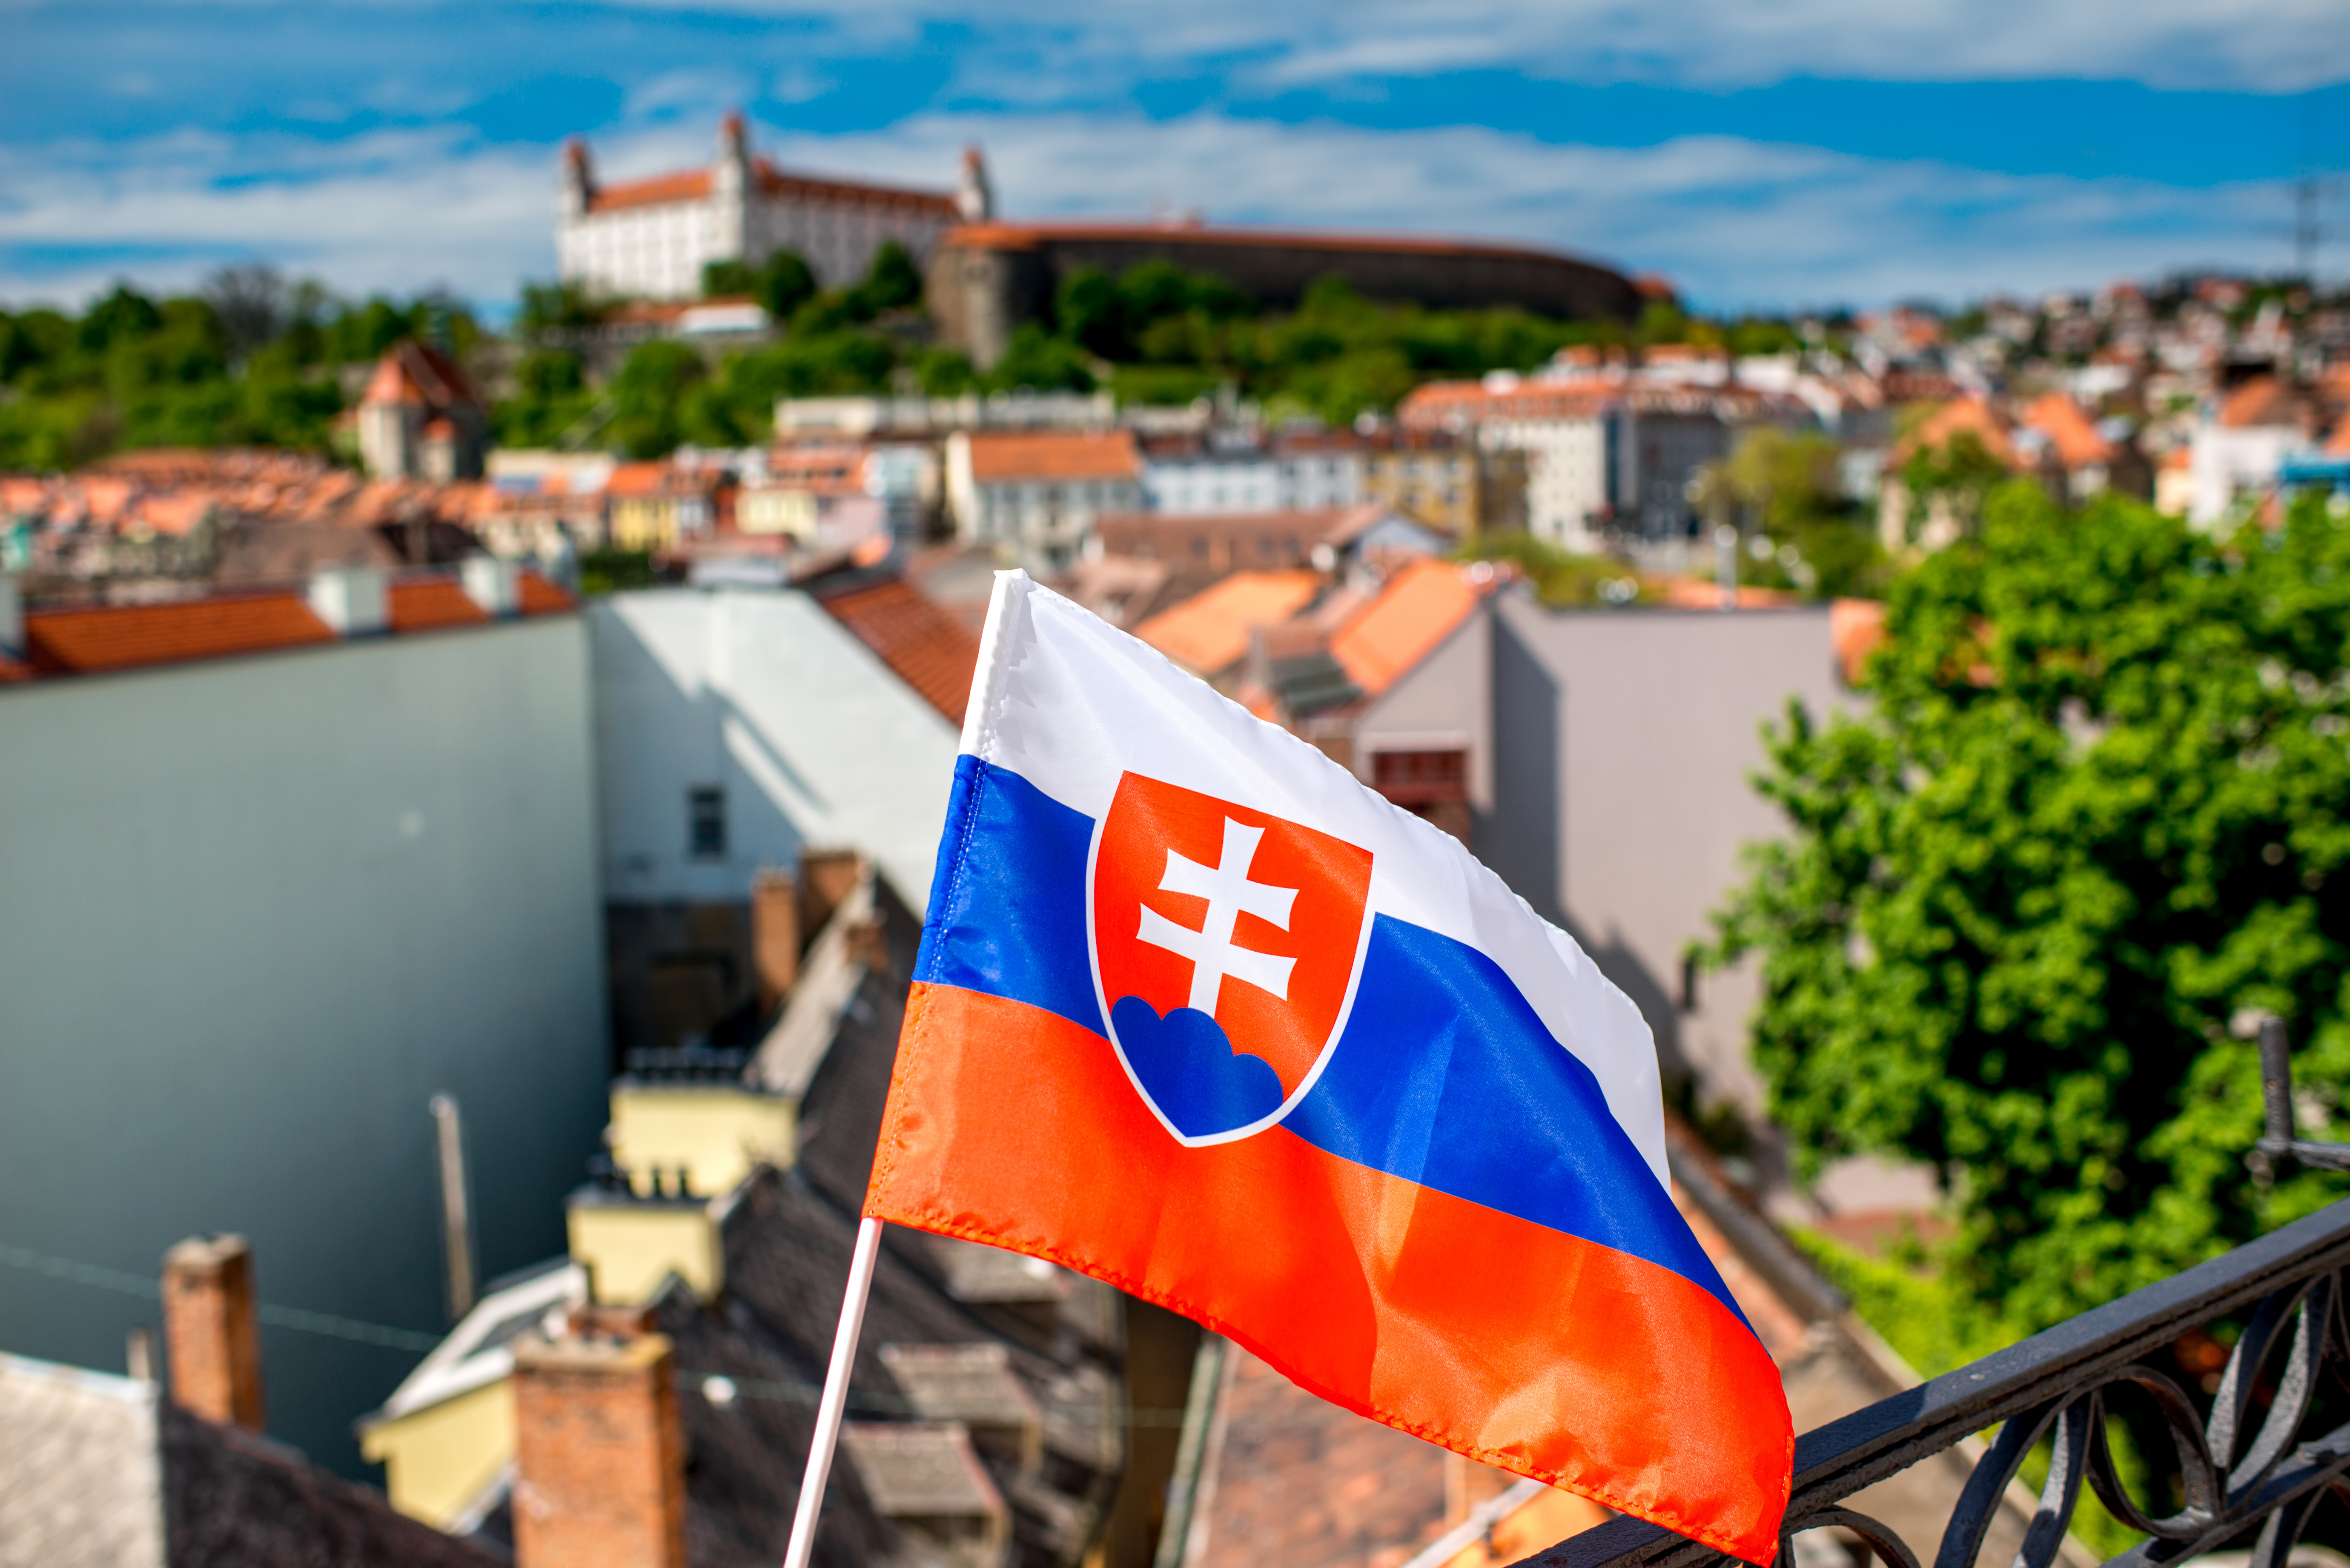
[(1198, 1014)]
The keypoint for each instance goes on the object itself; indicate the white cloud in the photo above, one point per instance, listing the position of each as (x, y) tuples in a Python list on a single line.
[(1733, 221), (2261, 45)]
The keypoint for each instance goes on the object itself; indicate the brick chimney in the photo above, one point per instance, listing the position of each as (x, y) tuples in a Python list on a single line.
[(775, 934), (210, 1331), (600, 1459)]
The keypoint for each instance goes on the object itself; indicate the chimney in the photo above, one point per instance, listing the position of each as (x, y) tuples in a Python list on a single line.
[(493, 583), (826, 876), (209, 1330), (352, 600), (12, 616), (775, 934), (600, 1459)]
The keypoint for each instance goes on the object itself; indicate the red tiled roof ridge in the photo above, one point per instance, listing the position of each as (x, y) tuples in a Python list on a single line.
[(925, 647)]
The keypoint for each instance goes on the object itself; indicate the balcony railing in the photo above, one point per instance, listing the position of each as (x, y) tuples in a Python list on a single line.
[(2242, 1468)]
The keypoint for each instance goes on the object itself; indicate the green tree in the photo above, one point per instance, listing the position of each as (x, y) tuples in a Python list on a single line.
[(1040, 362), (730, 276), (555, 307), (649, 397), (785, 284), (1960, 472), (891, 283), (2090, 822), (123, 317), (1783, 486)]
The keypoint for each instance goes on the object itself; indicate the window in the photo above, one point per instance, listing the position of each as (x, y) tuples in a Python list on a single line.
[(705, 822)]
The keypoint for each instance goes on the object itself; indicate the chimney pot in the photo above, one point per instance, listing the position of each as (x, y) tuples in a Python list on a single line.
[(599, 1458), (352, 600), (12, 615), (210, 1332)]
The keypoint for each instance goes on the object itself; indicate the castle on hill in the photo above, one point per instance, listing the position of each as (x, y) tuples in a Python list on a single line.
[(651, 238)]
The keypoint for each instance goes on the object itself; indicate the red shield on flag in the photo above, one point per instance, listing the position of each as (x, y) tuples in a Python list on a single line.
[(1225, 941)]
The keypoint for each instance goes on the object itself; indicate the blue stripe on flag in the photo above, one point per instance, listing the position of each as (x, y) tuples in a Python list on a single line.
[(1445, 1075), (1007, 914)]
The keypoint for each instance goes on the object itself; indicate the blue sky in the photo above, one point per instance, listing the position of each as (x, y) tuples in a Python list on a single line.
[(1789, 154)]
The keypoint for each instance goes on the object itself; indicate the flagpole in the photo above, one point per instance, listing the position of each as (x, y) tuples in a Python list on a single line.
[(834, 1401)]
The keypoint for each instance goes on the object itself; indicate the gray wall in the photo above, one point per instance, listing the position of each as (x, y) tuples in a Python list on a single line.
[(1624, 745), (1610, 758), (252, 914)]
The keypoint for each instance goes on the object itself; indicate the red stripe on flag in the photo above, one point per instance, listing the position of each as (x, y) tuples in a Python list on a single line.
[(1515, 1344)]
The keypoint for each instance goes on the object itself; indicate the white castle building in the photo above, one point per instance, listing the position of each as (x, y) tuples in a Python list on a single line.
[(650, 238)]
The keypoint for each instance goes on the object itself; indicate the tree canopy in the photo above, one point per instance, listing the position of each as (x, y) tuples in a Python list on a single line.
[(249, 360), (2085, 828)]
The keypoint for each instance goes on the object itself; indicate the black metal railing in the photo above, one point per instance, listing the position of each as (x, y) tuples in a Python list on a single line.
[(2242, 1472)]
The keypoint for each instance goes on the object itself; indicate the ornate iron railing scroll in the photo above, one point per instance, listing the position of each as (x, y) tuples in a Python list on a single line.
[(2242, 1468)]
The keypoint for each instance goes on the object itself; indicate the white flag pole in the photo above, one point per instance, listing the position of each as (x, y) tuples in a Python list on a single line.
[(834, 1401)]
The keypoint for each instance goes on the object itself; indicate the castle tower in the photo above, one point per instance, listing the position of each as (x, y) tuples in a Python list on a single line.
[(731, 195), (974, 196), (578, 178)]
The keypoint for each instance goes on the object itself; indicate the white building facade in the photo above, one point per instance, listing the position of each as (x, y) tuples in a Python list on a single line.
[(1037, 494), (651, 238), (1220, 483)]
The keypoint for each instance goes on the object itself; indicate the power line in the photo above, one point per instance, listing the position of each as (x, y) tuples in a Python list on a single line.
[(299, 1319)]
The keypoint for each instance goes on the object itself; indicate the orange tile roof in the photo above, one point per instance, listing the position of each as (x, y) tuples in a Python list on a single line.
[(692, 185), (1418, 607), (1014, 457), (929, 650), (426, 604), (2069, 430), (2262, 400), (1969, 415), (539, 596), (774, 182), (636, 479), (124, 637), (1210, 631)]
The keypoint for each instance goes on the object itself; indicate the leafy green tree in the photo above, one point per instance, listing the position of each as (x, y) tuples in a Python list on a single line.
[(123, 317), (1040, 362), (730, 276), (1783, 486), (2088, 825), (648, 395), (551, 396), (356, 335), (555, 307), (1960, 472), (785, 284), (945, 373), (891, 283)]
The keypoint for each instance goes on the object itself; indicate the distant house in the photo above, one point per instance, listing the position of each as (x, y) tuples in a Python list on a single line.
[(2241, 444), (419, 418), (660, 506), (1035, 494)]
